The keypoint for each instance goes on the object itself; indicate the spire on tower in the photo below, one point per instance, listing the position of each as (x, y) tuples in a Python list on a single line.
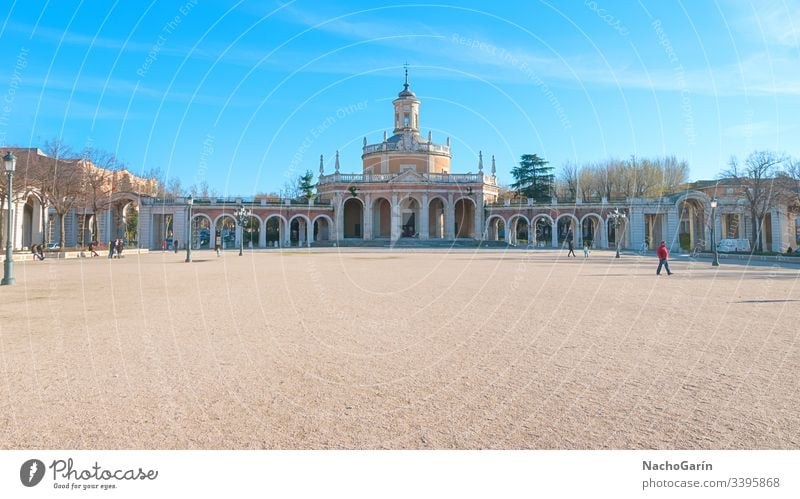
[(336, 166), (321, 169), (494, 170), (405, 85)]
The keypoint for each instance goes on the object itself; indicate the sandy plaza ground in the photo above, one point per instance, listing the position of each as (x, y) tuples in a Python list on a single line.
[(418, 349)]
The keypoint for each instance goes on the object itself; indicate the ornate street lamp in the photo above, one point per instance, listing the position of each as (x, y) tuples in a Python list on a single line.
[(189, 203), (10, 162), (242, 216), (715, 261), (618, 219)]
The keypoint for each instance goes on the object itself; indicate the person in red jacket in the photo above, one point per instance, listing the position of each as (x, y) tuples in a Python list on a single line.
[(663, 257)]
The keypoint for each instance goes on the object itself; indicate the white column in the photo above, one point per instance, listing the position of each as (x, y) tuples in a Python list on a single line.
[(395, 218), (604, 233), (366, 232), (338, 205), (450, 218), (262, 234), (310, 233), (424, 229), (479, 229), (554, 234)]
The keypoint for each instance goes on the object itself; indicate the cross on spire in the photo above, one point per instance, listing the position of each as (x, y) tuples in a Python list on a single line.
[(405, 85)]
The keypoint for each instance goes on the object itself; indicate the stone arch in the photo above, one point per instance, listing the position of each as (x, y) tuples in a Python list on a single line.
[(693, 208), (410, 209), (519, 229), (225, 229), (566, 229), (381, 218), (464, 217), (323, 228), (299, 230), (251, 232), (612, 237), (542, 225), (437, 214), (275, 229), (496, 228), (352, 218), (592, 229), (200, 230), (32, 228)]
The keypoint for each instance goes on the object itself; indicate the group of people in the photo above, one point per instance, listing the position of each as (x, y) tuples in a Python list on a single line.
[(115, 248), (662, 253), (571, 247)]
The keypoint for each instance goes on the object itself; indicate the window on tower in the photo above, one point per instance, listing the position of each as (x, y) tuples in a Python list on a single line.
[(406, 120)]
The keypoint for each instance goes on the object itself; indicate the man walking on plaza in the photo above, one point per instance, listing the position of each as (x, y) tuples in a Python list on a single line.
[(663, 257)]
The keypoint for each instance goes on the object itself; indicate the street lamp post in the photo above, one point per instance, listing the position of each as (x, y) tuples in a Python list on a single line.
[(715, 260), (10, 162), (617, 218), (189, 203), (242, 216)]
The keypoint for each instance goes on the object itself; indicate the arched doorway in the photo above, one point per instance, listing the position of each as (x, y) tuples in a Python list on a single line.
[(201, 232), (565, 225), (409, 217), (519, 230), (542, 231), (381, 219), (322, 228), (274, 228), (465, 218), (591, 227), (251, 232), (298, 231), (436, 218), (496, 229), (225, 229), (353, 219), (692, 225)]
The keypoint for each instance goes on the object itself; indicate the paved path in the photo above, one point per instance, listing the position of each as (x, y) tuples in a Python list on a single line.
[(398, 349)]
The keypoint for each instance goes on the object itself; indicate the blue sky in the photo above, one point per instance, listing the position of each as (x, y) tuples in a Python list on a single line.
[(245, 95)]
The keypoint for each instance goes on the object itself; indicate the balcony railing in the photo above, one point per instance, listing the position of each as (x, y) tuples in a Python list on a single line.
[(396, 146), (441, 178)]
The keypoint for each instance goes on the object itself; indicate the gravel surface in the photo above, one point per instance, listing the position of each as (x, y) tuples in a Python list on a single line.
[(405, 349)]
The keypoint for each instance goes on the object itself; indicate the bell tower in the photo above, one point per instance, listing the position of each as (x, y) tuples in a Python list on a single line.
[(406, 110)]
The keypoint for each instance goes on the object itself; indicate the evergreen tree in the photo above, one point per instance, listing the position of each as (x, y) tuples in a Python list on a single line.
[(306, 185), (533, 178)]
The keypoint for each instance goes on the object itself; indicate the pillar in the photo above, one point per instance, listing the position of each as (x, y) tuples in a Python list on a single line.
[(424, 228), (366, 232), (450, 218), (395, 219), (262, 234)]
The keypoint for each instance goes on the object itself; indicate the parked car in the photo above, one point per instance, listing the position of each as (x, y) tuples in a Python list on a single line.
[(732, 245), (53, 246)]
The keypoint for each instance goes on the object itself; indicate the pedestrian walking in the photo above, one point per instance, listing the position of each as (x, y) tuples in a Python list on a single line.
[(112, 244), (164, 245), (119, 248), (40, 252), (217, 244), (571, 249), (175, 245), (663, 256), (585, 250)]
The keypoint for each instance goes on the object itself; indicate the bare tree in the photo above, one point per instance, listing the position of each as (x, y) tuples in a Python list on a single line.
[(98, 181), (568, 179), (757, 178), (60, 179)]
